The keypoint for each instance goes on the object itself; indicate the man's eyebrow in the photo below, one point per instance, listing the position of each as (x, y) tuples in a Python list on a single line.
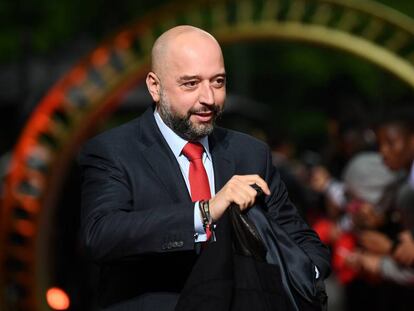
[(188, 78), (196, 77), (221, 75)]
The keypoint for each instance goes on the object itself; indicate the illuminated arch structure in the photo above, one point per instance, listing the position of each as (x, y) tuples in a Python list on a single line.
[(90, 90)]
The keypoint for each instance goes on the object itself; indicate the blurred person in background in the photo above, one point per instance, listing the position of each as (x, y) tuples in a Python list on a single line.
[(360, 208), (380, 261), (387, 256), (396, 143)]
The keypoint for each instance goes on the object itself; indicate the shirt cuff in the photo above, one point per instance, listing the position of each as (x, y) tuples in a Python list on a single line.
[(200, 234)]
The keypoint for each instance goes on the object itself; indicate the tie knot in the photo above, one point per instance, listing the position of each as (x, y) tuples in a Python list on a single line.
[(193, 151)]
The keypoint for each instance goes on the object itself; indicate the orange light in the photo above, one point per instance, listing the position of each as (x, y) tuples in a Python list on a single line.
[(25, 227), (57, 299), (123, 40), (100, 56), (77, 75)]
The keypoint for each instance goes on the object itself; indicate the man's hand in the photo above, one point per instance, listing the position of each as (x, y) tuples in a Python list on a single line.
[(237, 190), (364, 262), (375, 242), (404, 253), (371, 264)]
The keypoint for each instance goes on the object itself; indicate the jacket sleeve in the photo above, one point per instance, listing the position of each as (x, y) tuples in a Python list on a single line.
[(281, 209), (113, 226)]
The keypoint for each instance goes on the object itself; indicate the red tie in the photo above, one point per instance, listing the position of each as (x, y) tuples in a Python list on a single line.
[(199, 185), (200, 188)]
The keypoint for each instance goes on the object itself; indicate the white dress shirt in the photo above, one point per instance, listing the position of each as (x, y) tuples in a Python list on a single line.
[(176, 144)]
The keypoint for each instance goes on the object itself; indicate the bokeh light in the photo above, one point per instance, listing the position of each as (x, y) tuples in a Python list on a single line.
[(57, 299)]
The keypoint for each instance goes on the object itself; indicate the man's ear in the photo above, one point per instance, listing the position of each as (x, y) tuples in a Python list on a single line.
[(153, 85)]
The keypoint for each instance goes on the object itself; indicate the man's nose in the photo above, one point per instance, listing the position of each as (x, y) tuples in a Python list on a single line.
[(206, 95)]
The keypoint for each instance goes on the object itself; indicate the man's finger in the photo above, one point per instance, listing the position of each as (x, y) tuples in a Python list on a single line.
[(258, 189), (255, 179), (262, 184)]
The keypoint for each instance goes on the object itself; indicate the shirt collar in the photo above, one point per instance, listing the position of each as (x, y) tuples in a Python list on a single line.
[(175, 142)]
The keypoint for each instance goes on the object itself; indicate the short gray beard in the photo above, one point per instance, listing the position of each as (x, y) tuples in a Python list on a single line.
[(182, 125)]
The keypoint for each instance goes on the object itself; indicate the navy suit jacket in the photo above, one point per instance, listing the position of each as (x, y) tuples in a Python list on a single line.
[(137, 217)]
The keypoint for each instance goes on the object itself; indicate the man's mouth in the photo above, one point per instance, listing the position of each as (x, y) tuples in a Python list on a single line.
[(204, 116)]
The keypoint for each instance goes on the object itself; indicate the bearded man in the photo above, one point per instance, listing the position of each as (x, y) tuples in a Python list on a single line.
[(157, 188)]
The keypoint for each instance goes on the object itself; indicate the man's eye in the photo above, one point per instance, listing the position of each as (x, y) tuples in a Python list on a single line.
[(219, 82), (190, 84)]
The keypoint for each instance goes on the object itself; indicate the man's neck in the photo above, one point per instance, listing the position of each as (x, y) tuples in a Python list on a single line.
[(175, 141)]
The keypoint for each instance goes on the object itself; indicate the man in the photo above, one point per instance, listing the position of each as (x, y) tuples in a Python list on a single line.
[(396, 143), (143, 207), (386, 251)]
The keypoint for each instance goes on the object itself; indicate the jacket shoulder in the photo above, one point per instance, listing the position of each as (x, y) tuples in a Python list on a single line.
[(118, 133), (241, 141), (113, 142)]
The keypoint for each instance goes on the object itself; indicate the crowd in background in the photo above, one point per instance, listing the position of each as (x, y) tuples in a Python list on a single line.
[(358, 195)]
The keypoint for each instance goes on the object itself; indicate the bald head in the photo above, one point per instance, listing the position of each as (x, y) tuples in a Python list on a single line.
[(175, 39)]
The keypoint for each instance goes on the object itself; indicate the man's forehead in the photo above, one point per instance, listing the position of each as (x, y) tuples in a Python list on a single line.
[(186, 69), (194, 59)]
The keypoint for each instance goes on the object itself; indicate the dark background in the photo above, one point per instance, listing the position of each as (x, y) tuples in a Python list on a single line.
[(302, 85)]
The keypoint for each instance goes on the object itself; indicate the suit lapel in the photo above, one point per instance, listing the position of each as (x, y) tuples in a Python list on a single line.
[(165, 166), (224, 166), (161, 159)]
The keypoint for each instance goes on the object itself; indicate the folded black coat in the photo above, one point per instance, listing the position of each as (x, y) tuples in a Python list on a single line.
[(254, 265), (297, 272)]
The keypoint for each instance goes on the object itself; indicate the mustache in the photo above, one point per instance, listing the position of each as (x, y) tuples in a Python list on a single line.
[(215, 109)]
